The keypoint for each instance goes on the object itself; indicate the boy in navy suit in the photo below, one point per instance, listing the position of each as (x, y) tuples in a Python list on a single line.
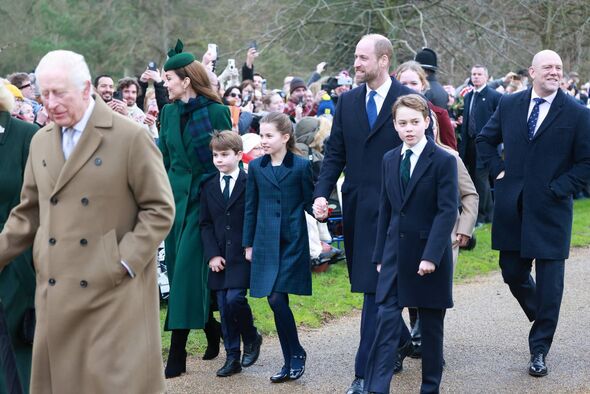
[(417, 211), (222, 221)]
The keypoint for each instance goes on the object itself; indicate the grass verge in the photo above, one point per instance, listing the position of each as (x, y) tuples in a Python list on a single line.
[(331, 290)]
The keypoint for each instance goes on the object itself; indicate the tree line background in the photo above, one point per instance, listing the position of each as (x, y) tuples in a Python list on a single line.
[(120, 37)]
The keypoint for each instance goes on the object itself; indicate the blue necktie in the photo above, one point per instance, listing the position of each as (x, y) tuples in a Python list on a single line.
[(226, 178), (532, 123), (371, 108)]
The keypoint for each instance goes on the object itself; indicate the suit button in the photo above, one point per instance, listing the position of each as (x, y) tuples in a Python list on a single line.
[(83, 242), (227, 213), (98, 161), (402, 214), (228, 243), (83, 283), (53, 200), (51, 282), (228, 227), (84, 201), (402, 235), (52, 241)]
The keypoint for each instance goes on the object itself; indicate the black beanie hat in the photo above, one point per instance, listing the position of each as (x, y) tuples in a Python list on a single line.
[(296, 83)]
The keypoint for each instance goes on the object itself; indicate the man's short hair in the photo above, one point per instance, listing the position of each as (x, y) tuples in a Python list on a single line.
[(413, 101), (383, 46), (226, 140), (480, 66), (73, 62), (18, 79), (128, 81), (99, 77)]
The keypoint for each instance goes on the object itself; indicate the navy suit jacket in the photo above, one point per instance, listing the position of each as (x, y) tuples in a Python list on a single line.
[(487, 102), (222, 226), (415, 226), (534, 200), (352, 144), (275, 225)]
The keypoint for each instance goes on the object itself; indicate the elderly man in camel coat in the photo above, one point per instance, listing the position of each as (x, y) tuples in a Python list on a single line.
[(95, 204)]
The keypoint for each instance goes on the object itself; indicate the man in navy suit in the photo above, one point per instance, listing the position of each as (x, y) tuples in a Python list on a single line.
[(546, 136), (479, 107), (417, 212), (361, 134)]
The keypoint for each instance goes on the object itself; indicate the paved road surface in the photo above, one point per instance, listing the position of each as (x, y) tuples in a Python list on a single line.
[(485, 348)]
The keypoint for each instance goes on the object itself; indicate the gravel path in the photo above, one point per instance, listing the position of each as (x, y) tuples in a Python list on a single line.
[(485, 348)]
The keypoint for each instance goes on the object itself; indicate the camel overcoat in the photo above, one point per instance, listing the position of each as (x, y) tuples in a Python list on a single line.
[(97, 327)]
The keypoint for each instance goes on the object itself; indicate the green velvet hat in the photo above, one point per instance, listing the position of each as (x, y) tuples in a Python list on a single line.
[(178, 59)]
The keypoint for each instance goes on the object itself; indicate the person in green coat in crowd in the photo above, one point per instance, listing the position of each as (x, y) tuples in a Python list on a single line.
[(17, 280), (185, 132)]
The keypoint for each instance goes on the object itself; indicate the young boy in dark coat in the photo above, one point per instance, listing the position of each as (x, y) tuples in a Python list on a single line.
[(413, 252), (222, 221)]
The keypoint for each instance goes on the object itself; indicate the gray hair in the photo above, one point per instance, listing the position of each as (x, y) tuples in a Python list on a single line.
[(74, 63)]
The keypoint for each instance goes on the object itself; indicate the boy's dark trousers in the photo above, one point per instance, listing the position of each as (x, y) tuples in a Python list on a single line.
[(384, 350), (236, 320)]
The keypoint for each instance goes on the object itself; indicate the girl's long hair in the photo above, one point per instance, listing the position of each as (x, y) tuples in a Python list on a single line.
[(284, 125)]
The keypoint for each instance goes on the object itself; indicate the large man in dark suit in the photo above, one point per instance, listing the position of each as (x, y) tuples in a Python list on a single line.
[(546, 137), (479, 107), (361, 134)]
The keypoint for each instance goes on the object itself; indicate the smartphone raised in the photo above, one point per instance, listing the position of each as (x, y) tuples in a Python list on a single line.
[(231, 63), (152, 66)]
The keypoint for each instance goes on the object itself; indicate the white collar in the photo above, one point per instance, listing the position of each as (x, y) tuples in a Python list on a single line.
[(81, 125), (480, 89), (416, 149), (381, 90), (234, 174), (549, 98)]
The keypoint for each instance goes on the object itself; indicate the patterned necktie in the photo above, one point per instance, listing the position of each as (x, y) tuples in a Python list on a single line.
[(404, 170), (532, 123), (69, 143), (371, 108), (471, 129), (226, 179)]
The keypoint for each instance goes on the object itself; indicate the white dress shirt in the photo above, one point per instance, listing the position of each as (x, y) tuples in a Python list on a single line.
[(416, 152), (380, 96), (543, 108), (78, 128), (232, 182)]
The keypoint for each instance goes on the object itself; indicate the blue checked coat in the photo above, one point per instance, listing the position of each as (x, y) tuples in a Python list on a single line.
[(275, 226)]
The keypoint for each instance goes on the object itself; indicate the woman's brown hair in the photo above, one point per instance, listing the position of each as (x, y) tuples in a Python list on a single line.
[(284, 125), (197, 73)]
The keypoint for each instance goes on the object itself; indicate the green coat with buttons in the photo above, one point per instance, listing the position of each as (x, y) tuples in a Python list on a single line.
[(17, 280), (188, 303)]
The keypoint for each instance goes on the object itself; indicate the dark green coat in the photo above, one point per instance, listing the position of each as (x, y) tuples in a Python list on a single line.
[(17, 280), (188, 304)]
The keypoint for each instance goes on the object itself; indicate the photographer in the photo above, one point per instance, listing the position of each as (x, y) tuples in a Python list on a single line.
[(296, 107), (152, 75), (105, 88)]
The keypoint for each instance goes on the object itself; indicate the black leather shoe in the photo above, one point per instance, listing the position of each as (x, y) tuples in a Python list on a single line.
[(297, 366), (402, 353), (357, 386), (252, 351), (537, 366), (281, 376), (232, 366)]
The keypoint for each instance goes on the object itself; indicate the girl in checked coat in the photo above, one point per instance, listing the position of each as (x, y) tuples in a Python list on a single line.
[(279, 189)]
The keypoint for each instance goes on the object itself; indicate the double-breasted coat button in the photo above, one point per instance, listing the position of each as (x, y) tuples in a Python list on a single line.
[(228, 243), (51, 282), (84, 201), (83, 283), (401, 235), (53, 200), (227, 213), (52, 241), (83, 242), (228, 227), (44, 163), (98, 161)]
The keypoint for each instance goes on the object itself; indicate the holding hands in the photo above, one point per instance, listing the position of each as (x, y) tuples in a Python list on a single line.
[(320, 208)]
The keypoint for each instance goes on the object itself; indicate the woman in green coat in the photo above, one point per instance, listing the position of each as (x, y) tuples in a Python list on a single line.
[(17, 280), (185, 131)]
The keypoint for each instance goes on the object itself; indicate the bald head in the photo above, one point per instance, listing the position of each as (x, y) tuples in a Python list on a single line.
[(372, 58), (546, 70)]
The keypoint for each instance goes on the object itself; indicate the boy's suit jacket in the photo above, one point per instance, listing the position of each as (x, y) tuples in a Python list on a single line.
[(221, 231), (416, 226)]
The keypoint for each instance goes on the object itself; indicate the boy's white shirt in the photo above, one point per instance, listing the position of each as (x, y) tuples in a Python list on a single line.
[(416, 152)]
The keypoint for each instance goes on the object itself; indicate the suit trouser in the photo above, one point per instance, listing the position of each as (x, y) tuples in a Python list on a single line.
[(236, 320), (481, 181), (540, 301), (389, 334)]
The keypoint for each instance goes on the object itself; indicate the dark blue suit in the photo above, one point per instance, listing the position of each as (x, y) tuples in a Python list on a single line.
[(482, 110), (222, 225), (414, 226), (354, 145), (534, 200)]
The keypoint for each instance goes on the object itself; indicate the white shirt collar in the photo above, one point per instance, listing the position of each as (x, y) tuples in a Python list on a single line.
[(482, 87), (234, 174), (549, 99), (381, 90), (416, 149), (81, 125)]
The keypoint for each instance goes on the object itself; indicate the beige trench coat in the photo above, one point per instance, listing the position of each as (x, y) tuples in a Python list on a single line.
[(97, 328)]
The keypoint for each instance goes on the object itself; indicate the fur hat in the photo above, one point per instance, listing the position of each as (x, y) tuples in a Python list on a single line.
[(427, 59)]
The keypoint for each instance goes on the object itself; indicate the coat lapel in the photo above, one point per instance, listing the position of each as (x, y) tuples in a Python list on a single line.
[(361, 105), (102, 117), (54, 155), (422, 165), (395, 175), (523, 113), (267, 171), (385, 113), (554, 111), (239, 188)]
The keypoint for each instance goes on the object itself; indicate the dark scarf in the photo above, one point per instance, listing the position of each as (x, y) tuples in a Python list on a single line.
[(199, 127)]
